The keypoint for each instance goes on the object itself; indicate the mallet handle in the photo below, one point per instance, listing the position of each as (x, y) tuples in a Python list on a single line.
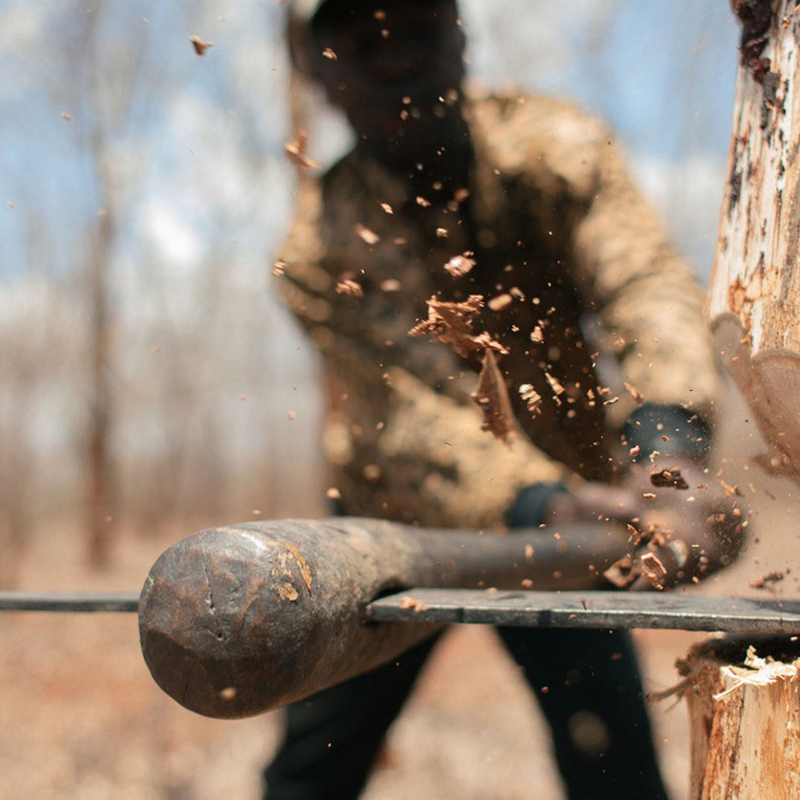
[(238, 620)]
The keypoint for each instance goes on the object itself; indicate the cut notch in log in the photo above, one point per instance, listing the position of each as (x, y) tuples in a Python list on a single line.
[(743, 695)]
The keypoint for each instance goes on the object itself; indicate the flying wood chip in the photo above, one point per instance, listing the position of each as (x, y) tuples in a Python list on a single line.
[(367, 235), (199, 45), (622, 573), (531, 397), (296, 151), (451, 323), (460, 265), (350, 287), (414, 604), (491, 397), (634, 392), (668, 478), (653, 570), (500, 302)]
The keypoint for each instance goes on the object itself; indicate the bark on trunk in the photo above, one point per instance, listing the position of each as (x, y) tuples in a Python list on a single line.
[(744, 716), (754, 292), (99, 480)]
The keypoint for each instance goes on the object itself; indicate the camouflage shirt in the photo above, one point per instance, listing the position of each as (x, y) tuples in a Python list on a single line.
[(574, 271)]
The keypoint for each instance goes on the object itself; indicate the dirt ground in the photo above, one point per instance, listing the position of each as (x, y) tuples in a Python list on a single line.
[(81, 718)]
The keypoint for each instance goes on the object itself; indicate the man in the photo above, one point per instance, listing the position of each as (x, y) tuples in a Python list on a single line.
[(510, 223)]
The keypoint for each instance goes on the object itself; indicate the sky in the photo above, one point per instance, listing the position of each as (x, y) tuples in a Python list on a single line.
[(661, 72)]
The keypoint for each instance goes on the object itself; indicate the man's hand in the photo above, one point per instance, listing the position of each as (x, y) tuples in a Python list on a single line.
[(684, 524)]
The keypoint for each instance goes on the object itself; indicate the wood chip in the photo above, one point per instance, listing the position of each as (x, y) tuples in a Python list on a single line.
[(621, 573), (636, 536), (491, 397), (421, 201), (387, 208), (296, 151), (668, 478), (653, 570), (200, 46), (349, 287), (634, 392), (500, 302), (329, 53), (451, 323), (415, 605), (460, 265), (555, 386), (532, 398), (368, 236), (288, 592), (730, 489)]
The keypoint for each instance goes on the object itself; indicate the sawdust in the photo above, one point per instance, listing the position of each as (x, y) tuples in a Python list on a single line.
[(414, 604), (768, 580)]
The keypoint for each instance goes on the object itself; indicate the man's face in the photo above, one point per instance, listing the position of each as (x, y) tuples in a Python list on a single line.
[(394, 62)]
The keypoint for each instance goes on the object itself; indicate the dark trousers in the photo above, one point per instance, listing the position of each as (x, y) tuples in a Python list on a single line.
[(593, 703)]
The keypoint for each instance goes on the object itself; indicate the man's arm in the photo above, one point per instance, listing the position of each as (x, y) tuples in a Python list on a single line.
[(647, 300), (650, 309)]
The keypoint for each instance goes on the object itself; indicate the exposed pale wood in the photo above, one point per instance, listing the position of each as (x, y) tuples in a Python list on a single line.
[(754, 292), (745, 725)]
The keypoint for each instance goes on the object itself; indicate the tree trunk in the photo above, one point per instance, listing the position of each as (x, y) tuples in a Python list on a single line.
[(99, 481), (754, 292), (744, 716)]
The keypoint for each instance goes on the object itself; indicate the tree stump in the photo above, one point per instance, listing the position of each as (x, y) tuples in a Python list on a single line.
[(744, 715), (753, 301)]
